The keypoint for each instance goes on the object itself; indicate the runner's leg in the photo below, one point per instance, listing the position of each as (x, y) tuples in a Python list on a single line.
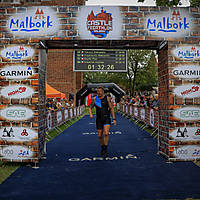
[(100, 137), (106, 134)]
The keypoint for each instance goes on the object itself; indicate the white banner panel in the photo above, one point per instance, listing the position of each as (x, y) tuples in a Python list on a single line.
[(17, 91), (49, 121), (152, 117), (74, 112), (142, 114), (59, 117), (16, 72), (16, 152), (35, 22), (17, 52), (71, 113), (185, 134), (66, 114), (17, 134), (187, 113), (17, 113), (175, 23), (188, 152), (187, 91), (187, 71), (188, 52), (135, 111), (100, 22)]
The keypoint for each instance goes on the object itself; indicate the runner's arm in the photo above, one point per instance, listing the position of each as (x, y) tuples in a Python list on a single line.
[(90, 108), (112, 110)]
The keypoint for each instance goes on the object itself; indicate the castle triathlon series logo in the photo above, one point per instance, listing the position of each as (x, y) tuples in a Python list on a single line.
[(175, 23), (39, 21), (100, 24)]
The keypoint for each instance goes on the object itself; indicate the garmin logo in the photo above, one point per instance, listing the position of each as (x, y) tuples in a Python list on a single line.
[(127, 157), (37, 21), (169, 24), (187, 71), (17, 72)]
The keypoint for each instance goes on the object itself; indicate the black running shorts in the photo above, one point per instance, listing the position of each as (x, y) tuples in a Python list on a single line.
[(100, 123)]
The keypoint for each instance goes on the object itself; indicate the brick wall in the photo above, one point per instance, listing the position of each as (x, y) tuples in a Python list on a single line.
[(60, 73), (133, 29)]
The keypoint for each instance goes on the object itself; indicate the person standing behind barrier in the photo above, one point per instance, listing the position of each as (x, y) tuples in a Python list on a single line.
[(155, 102), (103, 109)]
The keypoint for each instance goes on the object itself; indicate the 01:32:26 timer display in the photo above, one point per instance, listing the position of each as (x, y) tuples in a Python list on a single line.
[(100, 60)]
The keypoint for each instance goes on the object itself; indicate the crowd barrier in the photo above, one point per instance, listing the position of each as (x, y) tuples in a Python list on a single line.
[(146, 115), (59, 117)]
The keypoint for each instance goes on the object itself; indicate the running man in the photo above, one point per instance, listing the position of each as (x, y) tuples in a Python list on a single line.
[(103, 109)]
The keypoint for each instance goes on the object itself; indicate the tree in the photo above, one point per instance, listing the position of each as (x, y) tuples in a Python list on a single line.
[(137, 61), (141, 73), (171, 3), (148, 77)]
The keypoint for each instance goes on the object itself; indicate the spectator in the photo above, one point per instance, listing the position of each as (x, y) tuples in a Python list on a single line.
[(49, 105), (155, 102)]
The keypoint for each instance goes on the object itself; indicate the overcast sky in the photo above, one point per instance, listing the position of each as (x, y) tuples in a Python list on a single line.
[(127, 2)]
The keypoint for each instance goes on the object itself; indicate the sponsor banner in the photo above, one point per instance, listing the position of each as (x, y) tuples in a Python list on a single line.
[(71, 113), (187, 113), (16, 113), (142, 114), (131, 110), (187, 91), (95, 22), (151, 117), (17, 91), (16, 152), (135, 111), (175, 23), (74, 112), (187, 71), (17, 52), (35, 22), (49, 121), (188, 152), (126, 109), (187, 52), (66, 114), (16, 72), (59, 117), (185, 134), (17, 134)]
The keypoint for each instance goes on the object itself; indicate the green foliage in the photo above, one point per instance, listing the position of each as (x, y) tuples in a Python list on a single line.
[(141, 74), (148, 76)]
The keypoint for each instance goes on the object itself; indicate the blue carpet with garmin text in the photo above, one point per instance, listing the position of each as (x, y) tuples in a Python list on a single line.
[(74, 169)]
